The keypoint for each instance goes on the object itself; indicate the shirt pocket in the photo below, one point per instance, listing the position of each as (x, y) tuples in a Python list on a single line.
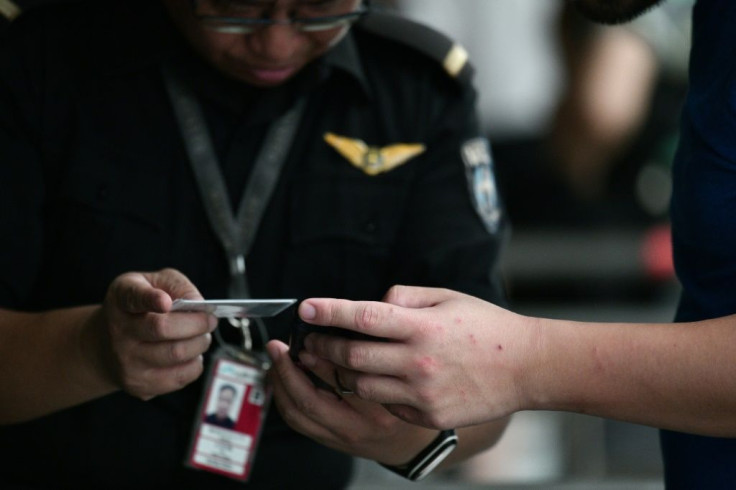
[(343, 234), (98, 227)]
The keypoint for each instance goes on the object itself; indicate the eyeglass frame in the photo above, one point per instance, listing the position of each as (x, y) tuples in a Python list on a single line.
[(249, 25)]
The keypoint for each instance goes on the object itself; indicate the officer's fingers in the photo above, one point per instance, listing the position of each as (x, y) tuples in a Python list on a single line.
[(290, 376), (300, 403), (297, 415), (323, 369), (368, 317), (418, 297), (172, 326), (133, 293), (146, 384), (172, 353), (174, 283), (275, 349)]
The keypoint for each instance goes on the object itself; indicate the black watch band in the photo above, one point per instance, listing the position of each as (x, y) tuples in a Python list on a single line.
[(428, 458)]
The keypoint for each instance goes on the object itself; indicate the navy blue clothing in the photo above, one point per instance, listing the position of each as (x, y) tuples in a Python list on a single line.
[(704, 222), (226, 422), (95, 182)]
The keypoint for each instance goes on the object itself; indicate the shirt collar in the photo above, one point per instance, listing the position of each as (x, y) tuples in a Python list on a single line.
[(344, 57)]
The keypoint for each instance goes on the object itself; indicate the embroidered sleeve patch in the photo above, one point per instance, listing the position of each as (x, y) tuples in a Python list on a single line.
[(476, 154)]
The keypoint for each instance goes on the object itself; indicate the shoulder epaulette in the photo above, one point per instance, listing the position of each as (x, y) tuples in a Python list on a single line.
[(451, 55), (9, 9)]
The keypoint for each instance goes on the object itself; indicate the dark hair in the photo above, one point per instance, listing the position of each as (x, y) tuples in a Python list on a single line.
[(228, 387)]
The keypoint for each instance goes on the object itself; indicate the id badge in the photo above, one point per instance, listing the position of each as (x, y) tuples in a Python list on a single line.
[(231, 415)]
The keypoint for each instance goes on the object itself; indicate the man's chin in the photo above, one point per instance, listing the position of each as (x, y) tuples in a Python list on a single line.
[(613, 11)]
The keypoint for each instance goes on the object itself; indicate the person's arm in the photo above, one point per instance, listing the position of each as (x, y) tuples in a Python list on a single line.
[(57, 359), (45, 365), (61, 357), (457, 360), (679, 376)]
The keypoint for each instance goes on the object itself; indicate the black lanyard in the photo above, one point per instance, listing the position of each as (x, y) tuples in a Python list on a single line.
[(235, 233)]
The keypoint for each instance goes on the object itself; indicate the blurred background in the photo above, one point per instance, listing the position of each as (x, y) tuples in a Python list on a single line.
[(583, 121)]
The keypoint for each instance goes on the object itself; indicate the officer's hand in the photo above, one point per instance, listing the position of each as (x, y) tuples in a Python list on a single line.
[(347, 423), (146, 349)]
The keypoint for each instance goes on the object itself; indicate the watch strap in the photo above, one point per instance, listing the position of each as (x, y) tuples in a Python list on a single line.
[(428, 458)]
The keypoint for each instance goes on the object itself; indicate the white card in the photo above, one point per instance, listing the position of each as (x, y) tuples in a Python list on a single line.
[(238, 308)]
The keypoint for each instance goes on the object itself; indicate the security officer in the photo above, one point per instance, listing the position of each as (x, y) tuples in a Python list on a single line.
[(356, 152)]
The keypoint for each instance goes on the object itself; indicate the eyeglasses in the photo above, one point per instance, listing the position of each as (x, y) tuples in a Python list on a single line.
[(247, 17)]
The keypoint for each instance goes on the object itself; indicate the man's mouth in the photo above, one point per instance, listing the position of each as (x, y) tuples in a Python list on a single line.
[(272, 75)]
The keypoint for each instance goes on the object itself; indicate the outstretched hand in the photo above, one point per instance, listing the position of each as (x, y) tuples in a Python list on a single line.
[(452, 360)]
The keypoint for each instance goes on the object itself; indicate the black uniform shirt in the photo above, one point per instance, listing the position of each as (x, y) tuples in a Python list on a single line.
[(95, 181)]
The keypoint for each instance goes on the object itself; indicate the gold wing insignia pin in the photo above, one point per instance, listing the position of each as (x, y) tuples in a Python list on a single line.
[(371, 159)]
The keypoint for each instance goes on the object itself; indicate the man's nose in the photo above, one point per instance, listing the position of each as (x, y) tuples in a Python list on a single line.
[(278, 41)]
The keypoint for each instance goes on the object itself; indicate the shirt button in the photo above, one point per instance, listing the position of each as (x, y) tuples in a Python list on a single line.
[(103, 192)]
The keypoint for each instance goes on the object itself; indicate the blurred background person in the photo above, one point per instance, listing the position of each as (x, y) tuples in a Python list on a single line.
[(574, 110)]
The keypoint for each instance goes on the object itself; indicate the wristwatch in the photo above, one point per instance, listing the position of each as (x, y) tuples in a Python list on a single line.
[(428, 459)]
